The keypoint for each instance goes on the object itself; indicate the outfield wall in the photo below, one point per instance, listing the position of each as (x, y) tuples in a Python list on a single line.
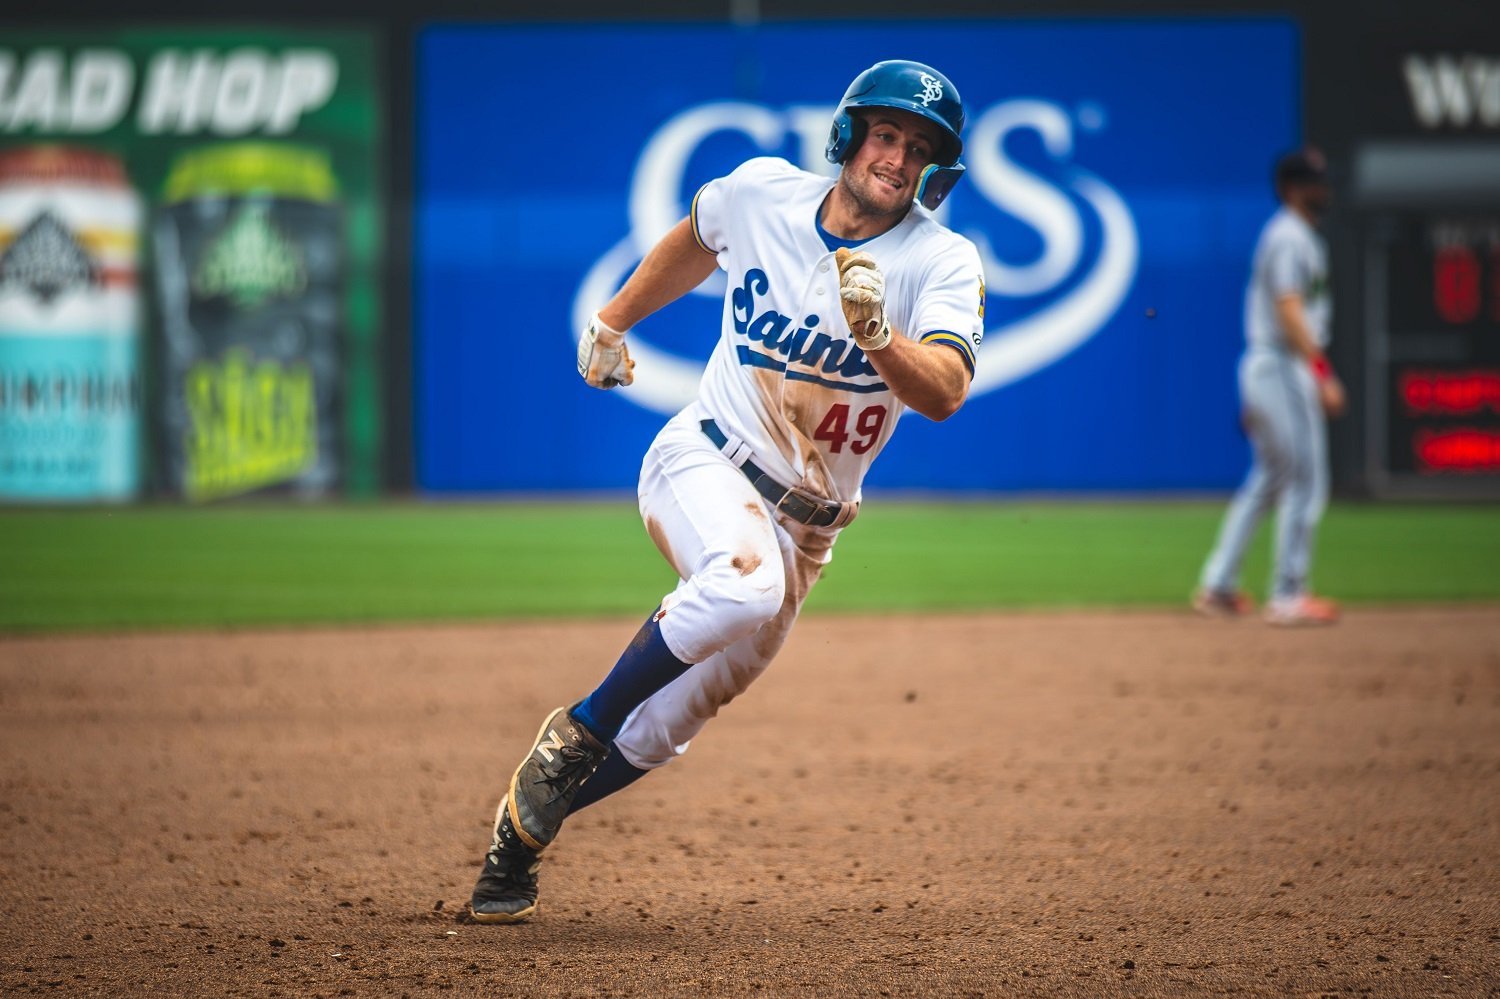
[(493, 176), (1114, 212)]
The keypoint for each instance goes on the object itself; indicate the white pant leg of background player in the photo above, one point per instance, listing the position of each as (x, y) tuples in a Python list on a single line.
[(1288, 438), (1305, 495), (693, 500)]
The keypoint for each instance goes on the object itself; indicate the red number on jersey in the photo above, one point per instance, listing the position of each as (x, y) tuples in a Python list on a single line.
[(834, 428), (868, 425)]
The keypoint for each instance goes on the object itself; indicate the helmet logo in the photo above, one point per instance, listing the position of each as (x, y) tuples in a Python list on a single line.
[(932, 89)]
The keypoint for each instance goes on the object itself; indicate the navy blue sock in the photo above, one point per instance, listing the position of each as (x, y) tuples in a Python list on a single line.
[(613, 774), (646, 666)]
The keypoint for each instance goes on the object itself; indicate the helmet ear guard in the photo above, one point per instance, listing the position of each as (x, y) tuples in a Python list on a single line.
[(935, 183), (844, 138)]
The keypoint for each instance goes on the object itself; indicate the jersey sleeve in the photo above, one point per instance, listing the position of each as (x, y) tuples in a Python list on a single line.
[(1287, 268), (716, 204), (950, 303), (710, 213)]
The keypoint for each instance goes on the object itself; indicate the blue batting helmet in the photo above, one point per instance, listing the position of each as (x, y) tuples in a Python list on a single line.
[(906, 86)]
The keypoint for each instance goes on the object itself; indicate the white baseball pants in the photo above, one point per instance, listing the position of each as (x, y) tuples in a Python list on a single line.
[(745, 571), (1290, 436)]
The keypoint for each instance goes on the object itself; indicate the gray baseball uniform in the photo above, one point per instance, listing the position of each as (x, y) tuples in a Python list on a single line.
[(1282, 414)]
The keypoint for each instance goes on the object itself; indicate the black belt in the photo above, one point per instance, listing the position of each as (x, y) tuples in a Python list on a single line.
[(799, 506)]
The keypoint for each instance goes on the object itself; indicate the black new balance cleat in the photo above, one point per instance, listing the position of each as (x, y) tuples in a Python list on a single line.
[(506, 891), (564, 755)]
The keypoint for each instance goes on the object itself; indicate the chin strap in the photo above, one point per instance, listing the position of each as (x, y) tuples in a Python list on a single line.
[(935, 183)]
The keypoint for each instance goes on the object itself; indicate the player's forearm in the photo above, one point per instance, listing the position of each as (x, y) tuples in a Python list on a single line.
[(674, 266), (929, 379), (1294, 322)]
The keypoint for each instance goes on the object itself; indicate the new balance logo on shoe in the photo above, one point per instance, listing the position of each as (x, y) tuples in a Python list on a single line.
[(552, 743)]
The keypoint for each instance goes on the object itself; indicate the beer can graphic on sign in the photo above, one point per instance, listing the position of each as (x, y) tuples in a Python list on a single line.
[(249, 259), (70, 387)]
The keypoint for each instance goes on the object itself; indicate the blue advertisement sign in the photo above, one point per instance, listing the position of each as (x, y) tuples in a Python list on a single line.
[(1118, 173)]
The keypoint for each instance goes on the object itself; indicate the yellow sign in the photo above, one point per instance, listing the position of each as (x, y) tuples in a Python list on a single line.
[(248, 425)]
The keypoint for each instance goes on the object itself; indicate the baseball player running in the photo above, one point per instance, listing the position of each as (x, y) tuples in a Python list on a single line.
[(1286, 387), (847, 303)]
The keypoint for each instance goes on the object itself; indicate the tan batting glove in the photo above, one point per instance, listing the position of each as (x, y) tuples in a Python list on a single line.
[(603, 361), (862, 291)]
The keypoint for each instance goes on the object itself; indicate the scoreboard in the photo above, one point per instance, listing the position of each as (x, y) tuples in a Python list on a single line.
[(1424, 157), (1432, 315)]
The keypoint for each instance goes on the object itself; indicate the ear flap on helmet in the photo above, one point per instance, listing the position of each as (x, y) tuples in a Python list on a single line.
[(844, 138), (935, 183)]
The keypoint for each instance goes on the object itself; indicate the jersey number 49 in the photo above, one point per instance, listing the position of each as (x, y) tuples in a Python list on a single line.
[(835, 428)]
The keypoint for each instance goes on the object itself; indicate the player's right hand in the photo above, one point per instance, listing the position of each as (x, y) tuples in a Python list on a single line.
[(862, 290), (603, 360)]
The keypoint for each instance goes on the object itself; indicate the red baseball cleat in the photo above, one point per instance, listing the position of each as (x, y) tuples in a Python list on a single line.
[(1302, 610), (1222, 603)]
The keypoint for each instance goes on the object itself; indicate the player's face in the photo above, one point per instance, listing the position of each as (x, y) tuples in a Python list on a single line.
[(1312, 199), (882, 174), (1317, 198)]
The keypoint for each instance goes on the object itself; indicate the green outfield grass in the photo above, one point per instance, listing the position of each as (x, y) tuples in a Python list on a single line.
[(153, 567)]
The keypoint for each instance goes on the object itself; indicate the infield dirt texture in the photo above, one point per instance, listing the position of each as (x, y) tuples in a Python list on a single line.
[(1005, 805)]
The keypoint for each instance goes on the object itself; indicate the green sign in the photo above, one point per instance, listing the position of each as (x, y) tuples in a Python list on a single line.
[(252, 159)]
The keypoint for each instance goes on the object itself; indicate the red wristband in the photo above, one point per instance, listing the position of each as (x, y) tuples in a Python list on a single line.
[(1321, 369)]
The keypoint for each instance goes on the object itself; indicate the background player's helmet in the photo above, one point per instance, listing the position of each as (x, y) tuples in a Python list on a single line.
[(1306, 169), (1302, 166), (906, 86)]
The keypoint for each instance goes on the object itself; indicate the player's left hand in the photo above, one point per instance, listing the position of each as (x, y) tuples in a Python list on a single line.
[(862, 291), (603, 360)]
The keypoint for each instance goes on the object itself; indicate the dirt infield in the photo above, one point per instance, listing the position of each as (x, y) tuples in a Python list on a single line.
[(1141, 804)]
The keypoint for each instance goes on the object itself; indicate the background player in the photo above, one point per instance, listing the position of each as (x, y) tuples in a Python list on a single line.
[(1286, 387), (745, 490)]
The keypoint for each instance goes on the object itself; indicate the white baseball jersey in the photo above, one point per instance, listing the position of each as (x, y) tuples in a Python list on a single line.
[(786, 376), (1290, 258)]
